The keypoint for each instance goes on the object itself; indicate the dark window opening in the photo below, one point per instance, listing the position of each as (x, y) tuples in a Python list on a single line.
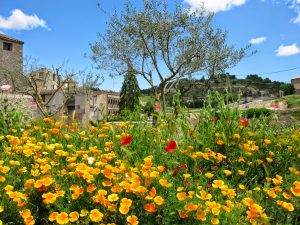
[(43, 97), (7, 46)]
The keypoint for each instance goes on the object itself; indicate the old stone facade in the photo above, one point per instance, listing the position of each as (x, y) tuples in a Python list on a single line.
[(84, 103), (11, 61), (106, 101), (296, 83), (45, 79), (93, 104)]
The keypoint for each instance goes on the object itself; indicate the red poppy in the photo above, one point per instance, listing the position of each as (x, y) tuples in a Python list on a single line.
[(156, 107), (183, 166), (244, 122), (214, 119), (175, 172), (171, 146), (198, 169), (186, 183), (127, 140)]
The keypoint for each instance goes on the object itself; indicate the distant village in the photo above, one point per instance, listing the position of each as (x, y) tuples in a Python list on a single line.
[(44, 91)]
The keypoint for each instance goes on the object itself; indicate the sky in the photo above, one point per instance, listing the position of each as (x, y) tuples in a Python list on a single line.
[(60, 31)]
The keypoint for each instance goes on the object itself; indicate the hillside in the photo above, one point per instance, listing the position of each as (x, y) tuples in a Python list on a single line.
[(194, 91)]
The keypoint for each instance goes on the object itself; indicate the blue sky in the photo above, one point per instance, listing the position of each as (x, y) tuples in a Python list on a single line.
[(55, 31)]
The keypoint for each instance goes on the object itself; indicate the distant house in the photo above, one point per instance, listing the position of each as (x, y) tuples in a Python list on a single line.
[(44, 79), (296, 83), (11, 61), (72, 99), (93, 104)]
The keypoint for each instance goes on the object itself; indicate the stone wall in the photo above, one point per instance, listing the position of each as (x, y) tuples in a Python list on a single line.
[(45, 79), (23, 103), (11, 62), (296, 83)]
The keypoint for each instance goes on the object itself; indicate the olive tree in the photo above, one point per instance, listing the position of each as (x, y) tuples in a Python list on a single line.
[(163, 45)]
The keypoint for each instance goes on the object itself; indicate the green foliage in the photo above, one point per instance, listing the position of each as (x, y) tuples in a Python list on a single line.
[(127, 115), (195, 91), (164, 43), (130, 93), (148, 109), (258, 112), (287, 88), (12, 114), (292, 100), (55, 167)]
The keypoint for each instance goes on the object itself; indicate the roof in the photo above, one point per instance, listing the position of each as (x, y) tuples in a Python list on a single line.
[(296, 78), (7, 38), (100, 91)]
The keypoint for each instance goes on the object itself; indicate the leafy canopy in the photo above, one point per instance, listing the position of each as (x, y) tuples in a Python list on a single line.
[(162, 44)]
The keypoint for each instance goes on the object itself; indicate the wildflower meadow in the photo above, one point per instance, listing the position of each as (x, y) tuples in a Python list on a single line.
[(220, 169)]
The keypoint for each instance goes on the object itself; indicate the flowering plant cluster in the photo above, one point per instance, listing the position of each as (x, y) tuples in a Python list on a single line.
[(225, 170)]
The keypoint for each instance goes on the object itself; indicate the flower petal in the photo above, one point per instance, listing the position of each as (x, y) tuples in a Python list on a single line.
[(126, 141), (171, 146)]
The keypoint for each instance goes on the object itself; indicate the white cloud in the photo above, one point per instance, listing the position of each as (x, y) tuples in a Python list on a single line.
[(214, 5), (296, 20), (20, 21), (295, 5), (256, 41), (288, 50)]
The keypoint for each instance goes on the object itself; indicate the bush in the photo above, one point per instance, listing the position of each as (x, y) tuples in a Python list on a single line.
[(148, 109), (258, 112), (287, 88)]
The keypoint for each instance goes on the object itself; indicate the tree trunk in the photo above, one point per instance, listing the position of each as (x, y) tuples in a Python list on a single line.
[(163, 97), (156, 110)]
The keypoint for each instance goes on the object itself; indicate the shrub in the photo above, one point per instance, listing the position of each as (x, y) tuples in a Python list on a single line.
[(258, 112), (148, 109)]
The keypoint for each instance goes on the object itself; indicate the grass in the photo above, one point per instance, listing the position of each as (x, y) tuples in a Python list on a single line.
[(146, 98), (292, 100)]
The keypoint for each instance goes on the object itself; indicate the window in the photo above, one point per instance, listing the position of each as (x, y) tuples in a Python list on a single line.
[(43, 98), (7, 46)]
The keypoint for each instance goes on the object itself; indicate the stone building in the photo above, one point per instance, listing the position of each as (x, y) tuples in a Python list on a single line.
[(44, 79), (72, 100), (296, 83), (93, 104), (11, 61)]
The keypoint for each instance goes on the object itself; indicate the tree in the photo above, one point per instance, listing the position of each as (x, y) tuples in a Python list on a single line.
[(130, 93), (163, 45), (287, 88)]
